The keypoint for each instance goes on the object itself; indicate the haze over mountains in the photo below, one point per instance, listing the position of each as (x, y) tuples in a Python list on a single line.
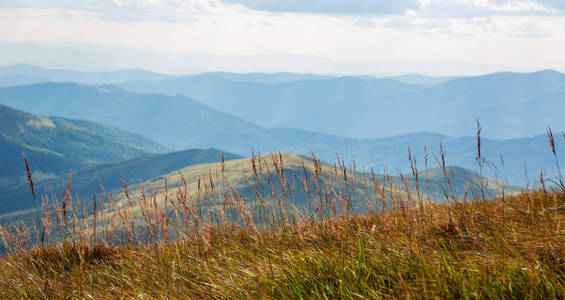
[(96, 57), (124, 124), (28, 74), (175, 121), (508, 104), (23, 74), (318, 149)]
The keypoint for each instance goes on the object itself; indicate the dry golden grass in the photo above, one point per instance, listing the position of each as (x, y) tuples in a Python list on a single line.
[(511, 248), (290, 227)]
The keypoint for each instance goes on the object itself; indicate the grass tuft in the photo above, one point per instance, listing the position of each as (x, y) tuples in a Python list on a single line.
[(291, 230), (506, 248)]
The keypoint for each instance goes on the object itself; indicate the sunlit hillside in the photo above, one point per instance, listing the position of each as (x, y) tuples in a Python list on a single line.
[(282, 149), (511, 247)]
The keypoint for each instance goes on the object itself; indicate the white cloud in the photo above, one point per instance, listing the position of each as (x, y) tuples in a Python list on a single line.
[(364, 23), (127, 10), (557, 4), (482, 31), (531, 30), (187, 10), (481, 8)]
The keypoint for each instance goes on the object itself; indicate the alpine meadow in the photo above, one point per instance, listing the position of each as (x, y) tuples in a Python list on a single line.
[(242, 149)]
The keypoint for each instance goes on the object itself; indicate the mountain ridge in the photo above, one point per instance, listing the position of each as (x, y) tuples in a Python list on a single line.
[(53, 146), (110, 175), (182, 123), (371, 109)]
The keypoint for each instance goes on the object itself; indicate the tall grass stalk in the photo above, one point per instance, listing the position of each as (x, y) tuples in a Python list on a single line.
[(291, 228)]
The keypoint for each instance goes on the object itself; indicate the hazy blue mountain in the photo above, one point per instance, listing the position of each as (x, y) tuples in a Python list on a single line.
[(420, 79), (87, 181), (510, 105), (27, 74), (266, 78), (182, 123), (333, 106), (13, 80), (98, 57), (175, 121), (54, 146), (517, 155), (22, 74)]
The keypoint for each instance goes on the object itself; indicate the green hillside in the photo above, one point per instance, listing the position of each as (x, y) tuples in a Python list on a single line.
[(86, 182), (192, 170), (54, 146), (290, 182)]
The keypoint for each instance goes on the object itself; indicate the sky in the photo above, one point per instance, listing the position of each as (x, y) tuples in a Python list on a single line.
[(523, 35)]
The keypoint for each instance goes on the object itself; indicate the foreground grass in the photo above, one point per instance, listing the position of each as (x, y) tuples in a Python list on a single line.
[(508, 248)]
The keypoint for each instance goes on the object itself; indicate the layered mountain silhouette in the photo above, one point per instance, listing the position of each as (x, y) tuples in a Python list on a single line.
[(183, 123), (510, 105)]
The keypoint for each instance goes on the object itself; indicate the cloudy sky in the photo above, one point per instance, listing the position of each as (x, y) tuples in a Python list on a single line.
[(514, 34)]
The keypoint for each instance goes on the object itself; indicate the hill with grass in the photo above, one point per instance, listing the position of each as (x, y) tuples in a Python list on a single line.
[(54, 146), (263, 182), (509, 247), (102, 178), (60, 144), (285, 186)]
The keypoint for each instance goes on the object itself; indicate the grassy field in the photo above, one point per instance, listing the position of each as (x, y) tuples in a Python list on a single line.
[(205, 237), (287, 187), (507, 248)]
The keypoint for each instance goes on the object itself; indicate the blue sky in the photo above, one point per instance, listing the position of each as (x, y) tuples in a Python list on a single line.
[(352, 7), (527, 34), (169, 10), (382, 7)]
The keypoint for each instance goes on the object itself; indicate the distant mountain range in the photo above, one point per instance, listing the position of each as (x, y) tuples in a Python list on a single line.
[(28, 74), (23, 74), (175, 121), (86, 56), (101, 154), (182, 123), (510, 105), (124, 126)]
